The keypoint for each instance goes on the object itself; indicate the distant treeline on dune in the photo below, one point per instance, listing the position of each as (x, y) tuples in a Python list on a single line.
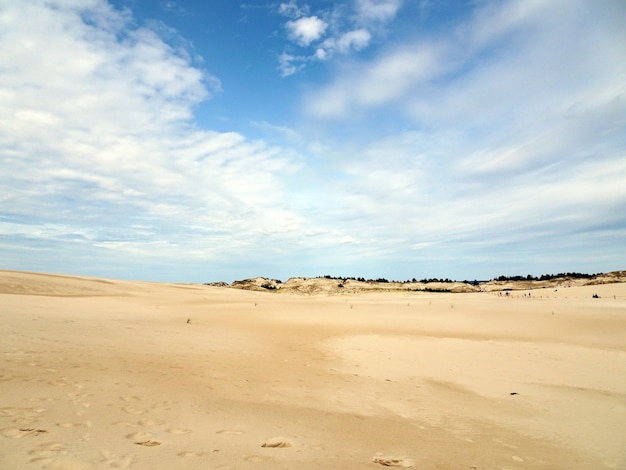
[(338, 284), (547, 277), (382, 279), (529, 277)]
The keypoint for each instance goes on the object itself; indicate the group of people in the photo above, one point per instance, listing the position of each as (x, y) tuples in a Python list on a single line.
[(508, 294)]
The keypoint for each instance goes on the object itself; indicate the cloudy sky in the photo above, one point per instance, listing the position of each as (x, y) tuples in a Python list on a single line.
[(197, 141)]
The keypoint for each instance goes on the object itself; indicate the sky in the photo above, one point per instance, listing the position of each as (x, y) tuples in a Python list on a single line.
[(195, 141)]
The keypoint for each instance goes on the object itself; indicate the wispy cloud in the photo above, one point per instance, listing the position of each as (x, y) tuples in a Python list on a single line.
[(291, 9), (517, 119), (357, 39), (500, 49), (98, 143), (288, 64), (494, 143), (173, 7), (377, 10)]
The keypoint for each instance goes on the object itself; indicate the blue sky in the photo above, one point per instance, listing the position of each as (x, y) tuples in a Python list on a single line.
[(198, 141)]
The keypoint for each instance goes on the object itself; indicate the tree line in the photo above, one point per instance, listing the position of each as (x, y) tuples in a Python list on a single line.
[(529, 277), (545, 277), (382, 279)]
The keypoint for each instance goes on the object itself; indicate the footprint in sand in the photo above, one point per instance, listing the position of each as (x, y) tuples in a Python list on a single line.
[(150, 422), (143, 439), (129, 398), (393, 461), (148, 443), (16, 433), (188, 454), (276, 442), (178, 431), (85, 424), (229, 431), (133, 410), (58, 382), (78, 395)]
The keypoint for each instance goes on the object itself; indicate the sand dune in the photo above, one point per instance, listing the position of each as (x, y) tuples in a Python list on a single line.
[(333, 286), (103, 374)]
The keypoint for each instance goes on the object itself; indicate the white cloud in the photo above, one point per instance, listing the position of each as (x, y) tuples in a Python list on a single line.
[(519, 127), (173, 7), (289, 64), (352, 40), (357, 39), (321, 54), (285, 132), (377, 10), (332, 31), (96, 140), (503, 135), (504, 48), (291, 9), (387, 79), (306, 30)]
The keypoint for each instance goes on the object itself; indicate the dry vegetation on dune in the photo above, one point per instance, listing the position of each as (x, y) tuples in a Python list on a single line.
[(334, 285), (314, 286)]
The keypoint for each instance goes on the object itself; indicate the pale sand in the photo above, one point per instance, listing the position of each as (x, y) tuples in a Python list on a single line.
[(109, 374)]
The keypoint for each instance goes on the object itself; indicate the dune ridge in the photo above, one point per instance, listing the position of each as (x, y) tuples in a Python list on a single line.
[(323, 285)]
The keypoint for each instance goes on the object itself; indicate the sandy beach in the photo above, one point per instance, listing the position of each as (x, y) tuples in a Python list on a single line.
[(100, 374)]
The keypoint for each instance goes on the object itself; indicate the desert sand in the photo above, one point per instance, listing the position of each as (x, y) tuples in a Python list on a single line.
[(100, 374)]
